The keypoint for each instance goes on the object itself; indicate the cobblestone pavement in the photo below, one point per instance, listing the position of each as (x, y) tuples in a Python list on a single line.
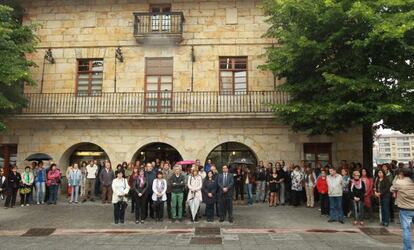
[(90, 226)]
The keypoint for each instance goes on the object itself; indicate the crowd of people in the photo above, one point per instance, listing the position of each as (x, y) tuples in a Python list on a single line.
[(343, 191)]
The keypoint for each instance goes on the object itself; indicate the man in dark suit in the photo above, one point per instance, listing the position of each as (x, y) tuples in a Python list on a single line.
[(225, 182)]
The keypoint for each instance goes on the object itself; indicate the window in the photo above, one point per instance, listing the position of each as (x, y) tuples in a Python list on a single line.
[(161, 17), (404, 155), (384, 144), (159, 84), (403, 144), (403, 138), (233, 75), (90, 77), (403, 149), (317, 152)]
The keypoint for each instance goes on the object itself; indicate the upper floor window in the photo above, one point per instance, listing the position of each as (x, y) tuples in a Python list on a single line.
[(161, 17), (90, 77), (233, 75)]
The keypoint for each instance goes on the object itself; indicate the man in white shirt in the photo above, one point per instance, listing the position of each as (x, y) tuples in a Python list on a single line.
[(335, 196), (91, 173)]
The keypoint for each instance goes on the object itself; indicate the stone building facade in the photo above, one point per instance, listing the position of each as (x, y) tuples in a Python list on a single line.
[(215, 93)]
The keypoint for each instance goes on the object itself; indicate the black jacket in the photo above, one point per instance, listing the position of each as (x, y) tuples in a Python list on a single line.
[(355, 192), (177, 183), (13, 181), (209, 187), (136, 186)]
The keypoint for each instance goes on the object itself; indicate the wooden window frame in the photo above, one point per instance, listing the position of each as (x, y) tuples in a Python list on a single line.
[(159, 106), (233, 70), (89, 72), (317, 148)]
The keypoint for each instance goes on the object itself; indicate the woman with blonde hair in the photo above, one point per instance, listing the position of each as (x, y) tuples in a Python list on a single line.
[(195, 183)]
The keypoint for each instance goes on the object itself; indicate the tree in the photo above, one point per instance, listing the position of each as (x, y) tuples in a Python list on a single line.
[(346, 63), (16, 40)]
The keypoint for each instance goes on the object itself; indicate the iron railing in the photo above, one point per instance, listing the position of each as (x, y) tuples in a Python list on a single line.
[(158, 23), (153, 102)]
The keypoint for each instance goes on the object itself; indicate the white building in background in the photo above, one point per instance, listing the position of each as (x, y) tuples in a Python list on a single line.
[(394, 146)]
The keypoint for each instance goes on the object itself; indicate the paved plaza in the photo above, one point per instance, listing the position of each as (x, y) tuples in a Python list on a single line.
[(90, 226)]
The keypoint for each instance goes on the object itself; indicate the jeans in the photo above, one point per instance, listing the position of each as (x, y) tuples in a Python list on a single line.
[(139, 207), (335, 207), (260, 190), (406, 218), (40, 191), (74, 195), (53, 193), (346, 203), (249, 188), (11, 197), (159, 209), (358, 209), (177, 205), (385, 209)]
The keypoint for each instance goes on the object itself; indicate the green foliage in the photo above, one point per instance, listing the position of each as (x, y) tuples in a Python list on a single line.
[(346, 62), (16, 40)]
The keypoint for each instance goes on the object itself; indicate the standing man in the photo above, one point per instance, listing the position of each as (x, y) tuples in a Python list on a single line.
[(335, 196), (177, 185), (150, 174), (225, 182), (106, 177), (167, 172), (260, 182), (91, 173), (403, 188)]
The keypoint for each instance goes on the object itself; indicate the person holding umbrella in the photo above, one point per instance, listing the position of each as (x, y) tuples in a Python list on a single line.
[(195, 183), (225, 181)]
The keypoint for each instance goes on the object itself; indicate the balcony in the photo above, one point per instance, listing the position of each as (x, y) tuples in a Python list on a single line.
[(158, 28), (153, 104)]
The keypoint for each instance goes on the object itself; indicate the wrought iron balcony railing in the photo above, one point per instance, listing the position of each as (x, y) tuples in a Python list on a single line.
[(164, 102), (155, 27)]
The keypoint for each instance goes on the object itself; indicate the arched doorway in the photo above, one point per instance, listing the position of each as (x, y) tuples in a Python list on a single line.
[(157, 150), (84, 151), (228, 152)]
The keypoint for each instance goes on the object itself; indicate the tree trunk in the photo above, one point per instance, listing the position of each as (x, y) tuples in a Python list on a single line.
[(367, 146)]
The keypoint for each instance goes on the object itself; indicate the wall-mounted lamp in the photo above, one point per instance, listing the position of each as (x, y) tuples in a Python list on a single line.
[(119, 55), (49, 56)]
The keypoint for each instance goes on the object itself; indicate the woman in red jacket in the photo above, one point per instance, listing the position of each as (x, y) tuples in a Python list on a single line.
[(322, 187)]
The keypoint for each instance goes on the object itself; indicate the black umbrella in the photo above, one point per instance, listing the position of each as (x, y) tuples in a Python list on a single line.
[(39, 157), (243, 161)]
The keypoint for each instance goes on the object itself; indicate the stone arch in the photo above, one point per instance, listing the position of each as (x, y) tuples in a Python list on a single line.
[(234, 150), (154, 150), (166, 140), (256, 147), (68, 151)]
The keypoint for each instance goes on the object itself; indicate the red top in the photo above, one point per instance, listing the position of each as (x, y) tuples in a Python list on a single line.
[(322, 185)]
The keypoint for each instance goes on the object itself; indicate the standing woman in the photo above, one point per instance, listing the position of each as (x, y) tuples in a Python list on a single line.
[(248, 183), (13, 182), (131, 179), (346, 200), (83, 179), (195, 183), (74, 180), (69, 188), (120, 188), (26, 188), (273, 183), (139, 187), (309, 185), (383, 193), (297, 185), (369, 183), (159, 188), (209, 195), (357, 192), (53, 180), (322, 187), (40, 183)]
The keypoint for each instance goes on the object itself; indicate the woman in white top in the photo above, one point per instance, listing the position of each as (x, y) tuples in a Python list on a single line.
[(195, 183), (159, 188), (120, 188)]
